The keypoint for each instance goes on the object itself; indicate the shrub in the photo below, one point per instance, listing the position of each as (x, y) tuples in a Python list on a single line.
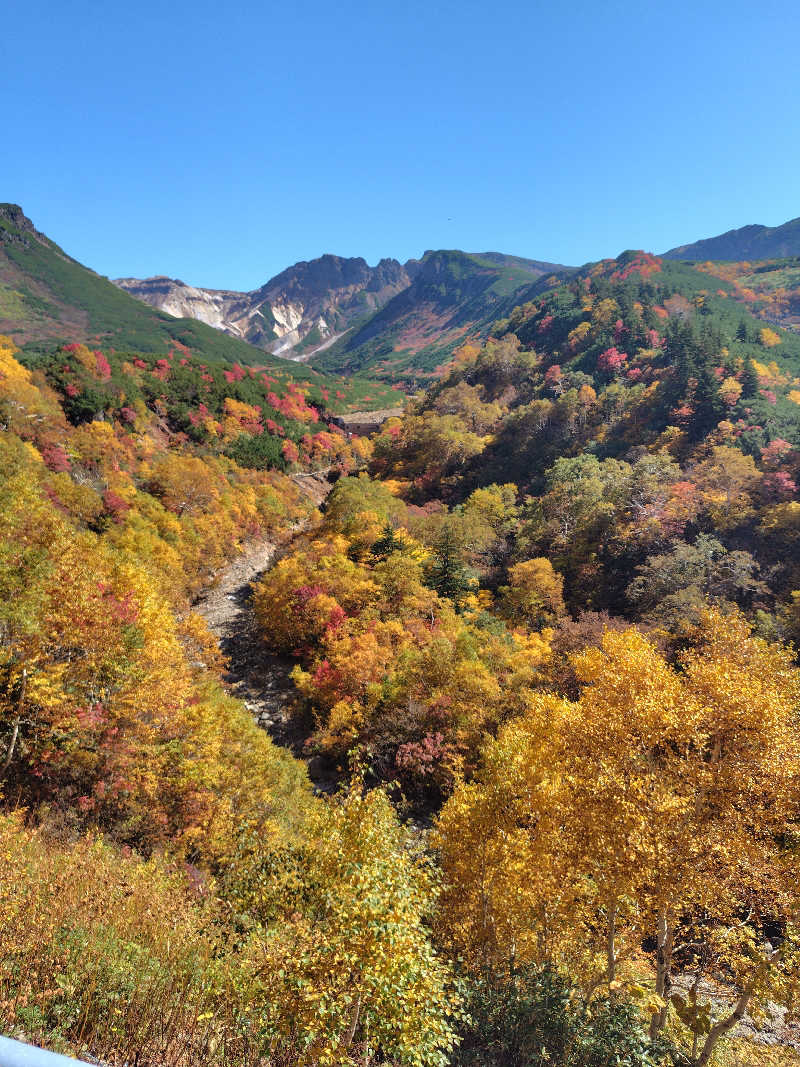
[(535, 1018)]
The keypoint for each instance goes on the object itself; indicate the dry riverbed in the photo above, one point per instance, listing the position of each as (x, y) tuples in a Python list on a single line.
[(257, 676)]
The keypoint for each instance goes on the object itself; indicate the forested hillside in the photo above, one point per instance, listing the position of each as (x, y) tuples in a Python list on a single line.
[(170, 889), (635, 411), (542, 639), (770, 288), (556, 615)]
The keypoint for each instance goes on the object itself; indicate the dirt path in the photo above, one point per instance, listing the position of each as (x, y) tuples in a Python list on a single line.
[(261, 679)]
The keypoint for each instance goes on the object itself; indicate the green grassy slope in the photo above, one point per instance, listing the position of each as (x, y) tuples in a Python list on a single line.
[(47, 296), (454, 298), (48, 299)]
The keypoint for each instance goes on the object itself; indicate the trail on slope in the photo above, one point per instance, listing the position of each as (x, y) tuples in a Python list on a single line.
[(256, 676)]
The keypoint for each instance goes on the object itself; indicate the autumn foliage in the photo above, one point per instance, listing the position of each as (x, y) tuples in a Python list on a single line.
[(540, 638)]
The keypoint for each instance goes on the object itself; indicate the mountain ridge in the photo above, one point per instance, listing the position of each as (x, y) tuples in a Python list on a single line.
[(47, 297), (295, 313), (311, 305), (753, 241), (455, 297)]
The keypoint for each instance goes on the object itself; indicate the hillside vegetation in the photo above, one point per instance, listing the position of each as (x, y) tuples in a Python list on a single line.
[(542, 633), (171, 891), (453, 297), (769, 288), (556, 616)]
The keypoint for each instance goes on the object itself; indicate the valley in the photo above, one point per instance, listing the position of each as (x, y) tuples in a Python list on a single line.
[(400, 535), (428, 703)]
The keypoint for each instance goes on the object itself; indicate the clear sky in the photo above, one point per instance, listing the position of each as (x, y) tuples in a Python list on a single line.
[(221, 143)]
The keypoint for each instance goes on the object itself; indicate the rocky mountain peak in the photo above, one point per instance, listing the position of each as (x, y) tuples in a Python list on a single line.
[(294, 314)]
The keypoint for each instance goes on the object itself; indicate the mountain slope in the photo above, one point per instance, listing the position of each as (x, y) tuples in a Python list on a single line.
[(294, 314), (748, 242), (770, 288), (46, 297), (627, 357), (454, 297)]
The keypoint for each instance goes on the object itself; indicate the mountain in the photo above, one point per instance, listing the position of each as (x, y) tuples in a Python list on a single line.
[(351, 311), (300, 311), (47, 297), (748, 242), (454, 297)]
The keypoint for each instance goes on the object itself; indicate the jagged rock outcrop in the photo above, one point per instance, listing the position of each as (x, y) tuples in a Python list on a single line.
[(215, 307), (297, 313), (21, 229)]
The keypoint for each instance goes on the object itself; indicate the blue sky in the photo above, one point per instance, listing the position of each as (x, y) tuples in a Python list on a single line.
[(220, 146)]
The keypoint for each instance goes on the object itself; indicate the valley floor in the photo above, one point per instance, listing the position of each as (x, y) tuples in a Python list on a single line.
[(261, 679)]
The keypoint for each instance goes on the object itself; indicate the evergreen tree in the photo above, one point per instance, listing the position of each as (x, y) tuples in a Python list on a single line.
[(447, 574), (387, 543), (750, 382), (625, 301), (681, 353), (709, 407)]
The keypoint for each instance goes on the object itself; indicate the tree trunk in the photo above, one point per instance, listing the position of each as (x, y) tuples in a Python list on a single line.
[(663, 971), (720, 1029), (347, 1040), (15, 730), (611, 950), (724, 1026)]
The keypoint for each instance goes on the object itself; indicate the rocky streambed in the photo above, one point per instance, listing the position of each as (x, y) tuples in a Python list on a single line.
[(258, 677)]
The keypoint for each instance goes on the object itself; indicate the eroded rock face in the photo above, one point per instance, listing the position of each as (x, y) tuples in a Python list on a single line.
[(299, 312), (215, 307)]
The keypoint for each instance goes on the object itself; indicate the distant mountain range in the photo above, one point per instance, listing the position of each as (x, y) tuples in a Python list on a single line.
[(397, 322), (300, 311), (309, 307), (400, 321), (747, 243)]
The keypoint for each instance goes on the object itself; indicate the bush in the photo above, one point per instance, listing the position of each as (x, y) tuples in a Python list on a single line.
[(536, 1019), (260, 452)]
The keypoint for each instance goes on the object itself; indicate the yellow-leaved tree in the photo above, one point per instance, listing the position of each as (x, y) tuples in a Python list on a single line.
[(339, 945), (659, 810), (534, 595)]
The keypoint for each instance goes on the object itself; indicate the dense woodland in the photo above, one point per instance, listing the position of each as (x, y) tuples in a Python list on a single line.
[(544, 637)]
